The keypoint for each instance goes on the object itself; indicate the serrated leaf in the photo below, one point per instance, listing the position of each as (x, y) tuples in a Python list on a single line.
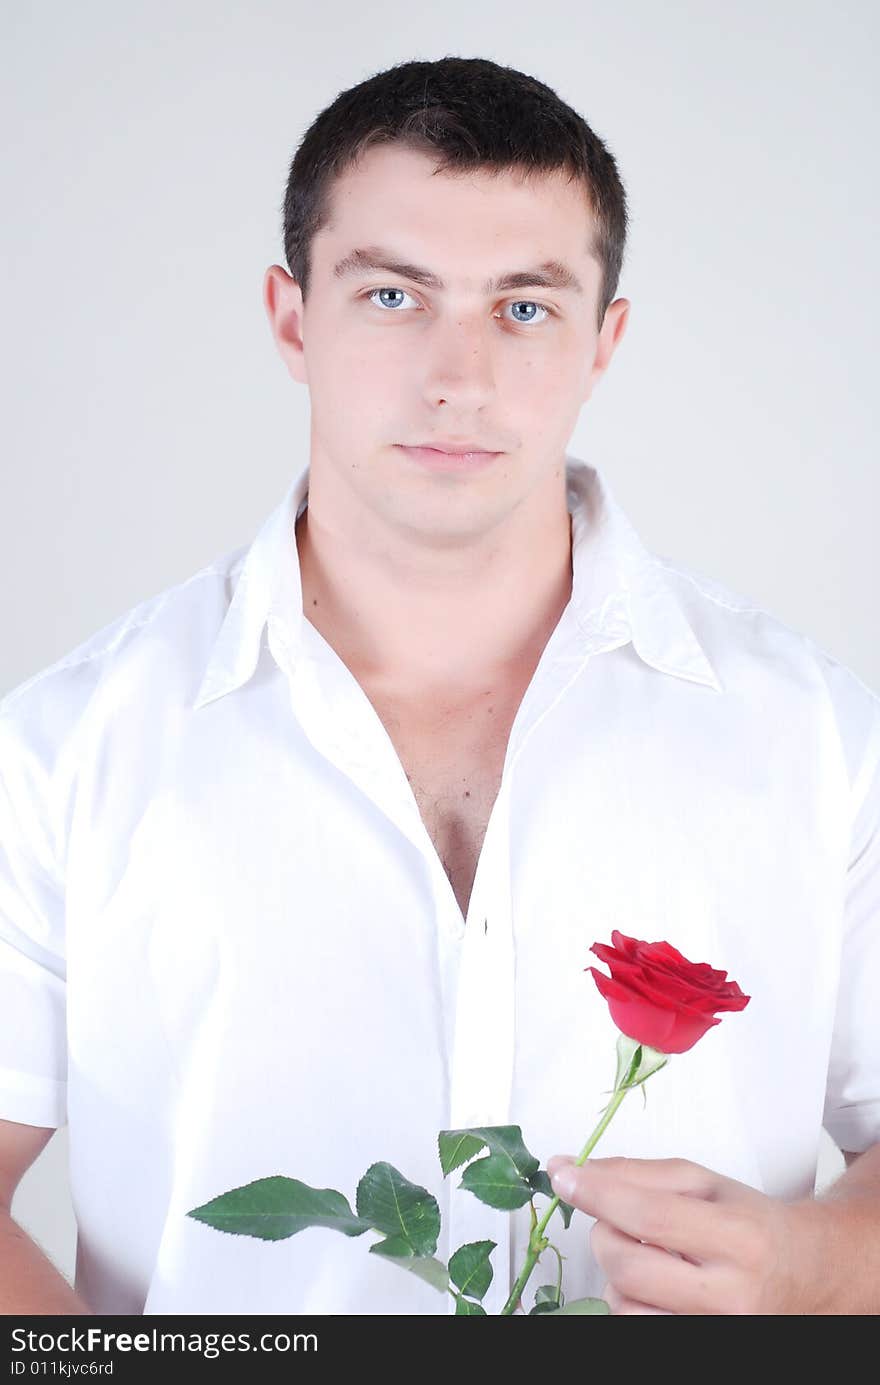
[(426, 1267), (584, 1305), (274, 1208), (540, 1181), (457, 1146), (469, 1267), (465, 1309), (403, 1211), (495, 1181)]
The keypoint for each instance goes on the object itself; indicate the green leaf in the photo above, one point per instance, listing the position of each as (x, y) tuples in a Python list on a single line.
[(426, 1267), (540, 1181), (495, 1181), (404, 1211), (584, 1305), (469, 1267), (546, 1300), (465, 1309), (457, 1146), (500, 1180), (274, 1208)]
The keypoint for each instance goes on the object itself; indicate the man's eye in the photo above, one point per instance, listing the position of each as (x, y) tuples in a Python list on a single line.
[(392, 306), (530, 303), (518, 305)]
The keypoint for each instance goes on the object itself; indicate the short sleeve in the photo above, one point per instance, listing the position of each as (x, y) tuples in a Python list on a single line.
[(852, 1097), (33, 1031)]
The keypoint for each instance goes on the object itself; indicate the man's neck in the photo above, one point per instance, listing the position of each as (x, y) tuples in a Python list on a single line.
[(408, 628)]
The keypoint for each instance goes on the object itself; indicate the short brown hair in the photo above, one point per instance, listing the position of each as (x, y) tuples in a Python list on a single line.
[(472, 114)]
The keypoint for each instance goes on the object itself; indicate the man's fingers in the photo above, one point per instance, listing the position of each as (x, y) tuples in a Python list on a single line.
[(648, 1275), (670, 1175), (623, 1307), (667, 1202)]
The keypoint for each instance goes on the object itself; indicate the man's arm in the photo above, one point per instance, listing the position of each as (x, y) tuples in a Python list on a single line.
[(29, 1282), (851, 1206)]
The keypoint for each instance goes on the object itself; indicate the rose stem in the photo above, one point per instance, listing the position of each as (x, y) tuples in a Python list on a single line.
[(537, 1243)]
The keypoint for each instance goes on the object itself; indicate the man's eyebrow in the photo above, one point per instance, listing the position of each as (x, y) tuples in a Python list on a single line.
[(552, 274)]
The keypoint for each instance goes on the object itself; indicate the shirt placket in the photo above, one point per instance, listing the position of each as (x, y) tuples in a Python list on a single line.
[(481, 1067), (483, 1044)]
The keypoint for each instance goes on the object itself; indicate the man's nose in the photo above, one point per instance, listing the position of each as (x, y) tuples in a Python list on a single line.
[(461, 359)]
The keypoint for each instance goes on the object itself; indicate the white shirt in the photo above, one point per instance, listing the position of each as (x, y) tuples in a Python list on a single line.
[(228, 948)]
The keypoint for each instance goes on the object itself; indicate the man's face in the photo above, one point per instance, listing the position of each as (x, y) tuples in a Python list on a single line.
[(391, 361)]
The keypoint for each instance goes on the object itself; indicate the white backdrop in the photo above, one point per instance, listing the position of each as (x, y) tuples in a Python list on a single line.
[(150, 426)]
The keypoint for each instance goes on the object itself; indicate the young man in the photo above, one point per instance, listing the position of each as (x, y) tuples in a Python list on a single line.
[(313, 846)]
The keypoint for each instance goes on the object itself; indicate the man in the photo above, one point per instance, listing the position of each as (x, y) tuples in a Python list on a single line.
[(314, 845)]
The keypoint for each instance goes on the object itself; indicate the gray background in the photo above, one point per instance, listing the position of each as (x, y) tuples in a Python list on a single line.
[(150, 426)]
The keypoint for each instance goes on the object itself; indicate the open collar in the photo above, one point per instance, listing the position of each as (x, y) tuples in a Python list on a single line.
[(613, 576)]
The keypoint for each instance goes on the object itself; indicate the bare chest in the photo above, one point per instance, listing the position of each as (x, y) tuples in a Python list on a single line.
[(453, 759)]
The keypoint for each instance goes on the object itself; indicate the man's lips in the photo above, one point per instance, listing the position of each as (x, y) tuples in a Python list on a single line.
[(444, 459), (454, 449)]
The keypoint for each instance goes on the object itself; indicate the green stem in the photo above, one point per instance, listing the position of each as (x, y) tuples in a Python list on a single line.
[(559, 1276), (537, 1243)]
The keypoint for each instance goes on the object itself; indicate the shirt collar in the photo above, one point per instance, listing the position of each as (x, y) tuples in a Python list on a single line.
[(614, 578)]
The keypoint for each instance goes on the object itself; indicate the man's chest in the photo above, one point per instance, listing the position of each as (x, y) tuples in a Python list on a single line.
[(453, 758)]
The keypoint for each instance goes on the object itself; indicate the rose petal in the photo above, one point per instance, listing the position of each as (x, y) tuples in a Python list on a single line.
[(657, 985), (634, 1016)]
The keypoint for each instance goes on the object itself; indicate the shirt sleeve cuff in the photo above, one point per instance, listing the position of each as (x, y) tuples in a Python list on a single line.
[(31, 1100)]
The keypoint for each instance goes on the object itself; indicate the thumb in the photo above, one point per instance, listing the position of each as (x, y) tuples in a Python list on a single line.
[(557, 1162)]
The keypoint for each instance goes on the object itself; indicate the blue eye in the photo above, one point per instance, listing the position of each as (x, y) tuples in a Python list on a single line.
[(517, 304), (528, 303), (372, 295)]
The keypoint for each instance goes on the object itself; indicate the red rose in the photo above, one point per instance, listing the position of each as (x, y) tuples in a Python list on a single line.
[(658, 997)]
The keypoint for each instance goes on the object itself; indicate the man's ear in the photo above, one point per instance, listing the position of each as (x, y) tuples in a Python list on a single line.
[(613, 328), (283, 302)]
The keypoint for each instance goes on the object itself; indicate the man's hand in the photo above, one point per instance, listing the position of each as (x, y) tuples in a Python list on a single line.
[(734, 1250)]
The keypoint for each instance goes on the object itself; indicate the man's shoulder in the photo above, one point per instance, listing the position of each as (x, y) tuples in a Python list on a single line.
[(161, 642), (748, 645)]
